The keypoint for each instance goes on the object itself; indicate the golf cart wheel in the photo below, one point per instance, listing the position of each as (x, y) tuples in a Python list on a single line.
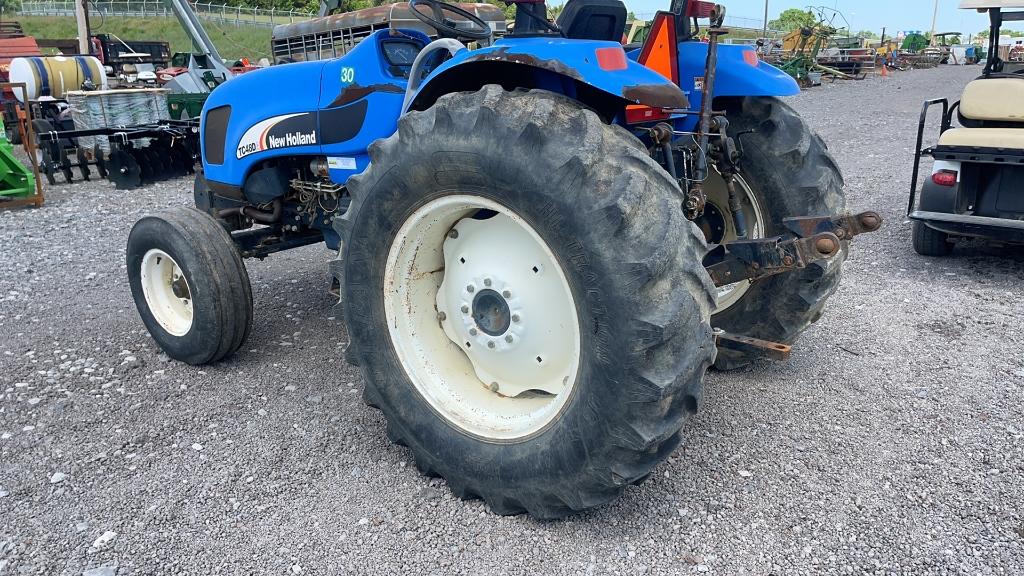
[(189, 285), (525, 299), (929, 241), (785, 170)]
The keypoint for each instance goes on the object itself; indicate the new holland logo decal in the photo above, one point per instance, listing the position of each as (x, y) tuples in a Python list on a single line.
[(282, 131)]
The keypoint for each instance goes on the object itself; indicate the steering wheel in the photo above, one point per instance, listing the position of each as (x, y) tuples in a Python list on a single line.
[(443, 25)]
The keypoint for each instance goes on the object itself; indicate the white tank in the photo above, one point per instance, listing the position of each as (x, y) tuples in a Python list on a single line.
[(55, 75)]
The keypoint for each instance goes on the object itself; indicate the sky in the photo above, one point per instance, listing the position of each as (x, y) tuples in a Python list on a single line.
[(895, 15)]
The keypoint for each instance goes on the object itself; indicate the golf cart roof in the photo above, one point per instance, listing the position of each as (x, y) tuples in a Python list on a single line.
[(985, 4)]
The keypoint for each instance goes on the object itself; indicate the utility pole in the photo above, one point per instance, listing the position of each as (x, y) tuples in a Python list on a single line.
[(764, 34), (935, 15), (82, 18)]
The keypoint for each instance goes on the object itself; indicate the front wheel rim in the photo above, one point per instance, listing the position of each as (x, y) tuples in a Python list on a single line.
[(482, 317), (167, 292)]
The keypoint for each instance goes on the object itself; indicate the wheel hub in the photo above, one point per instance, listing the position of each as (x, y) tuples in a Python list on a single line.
[(491, 313), (482, 317), (167, 292), (494, 283), (180, 288)]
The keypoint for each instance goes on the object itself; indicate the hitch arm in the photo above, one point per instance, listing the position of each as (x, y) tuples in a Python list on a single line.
[(753, 259), (845, 227)]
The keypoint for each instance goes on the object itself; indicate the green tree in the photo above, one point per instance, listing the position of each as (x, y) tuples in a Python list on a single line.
[(792, 19), (1011, 33), (866, 34)]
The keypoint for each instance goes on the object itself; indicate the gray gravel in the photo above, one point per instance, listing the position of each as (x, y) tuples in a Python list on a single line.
[(891, 443)]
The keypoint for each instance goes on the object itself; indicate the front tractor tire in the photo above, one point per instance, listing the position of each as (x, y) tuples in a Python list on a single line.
[(189, 285), (525, 299), (790, 172)]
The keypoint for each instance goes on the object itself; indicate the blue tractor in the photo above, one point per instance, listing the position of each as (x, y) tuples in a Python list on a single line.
[(543, 241)]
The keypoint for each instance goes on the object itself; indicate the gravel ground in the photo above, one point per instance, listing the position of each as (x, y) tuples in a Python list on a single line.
[(890, 443)]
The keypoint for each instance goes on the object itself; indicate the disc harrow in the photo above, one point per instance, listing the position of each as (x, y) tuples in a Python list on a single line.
[(138, 155)]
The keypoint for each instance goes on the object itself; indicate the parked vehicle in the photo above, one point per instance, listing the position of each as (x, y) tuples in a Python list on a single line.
[(124, 59), (975, 186), (334, 35), (543, 243)]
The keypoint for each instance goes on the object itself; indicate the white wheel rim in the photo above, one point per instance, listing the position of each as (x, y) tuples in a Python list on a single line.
[(718, 197), (167, 292), (482, 318)]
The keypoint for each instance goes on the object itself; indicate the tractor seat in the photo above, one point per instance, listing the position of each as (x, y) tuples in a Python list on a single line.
[(593, 20), (988, 101), (1006, 138)]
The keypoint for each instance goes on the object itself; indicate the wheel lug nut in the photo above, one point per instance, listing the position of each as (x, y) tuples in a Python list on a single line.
[(470, 288), (515, 317), (453, 233), (494, 386), (487, 281), (508, 338), (506, 294), (490, 344), (472, 331), (442, 316), (465, 309)]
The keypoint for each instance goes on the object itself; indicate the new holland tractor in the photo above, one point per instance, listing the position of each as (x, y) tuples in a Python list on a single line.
[(542, 243)]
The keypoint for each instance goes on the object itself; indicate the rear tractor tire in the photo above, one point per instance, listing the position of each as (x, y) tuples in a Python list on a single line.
[(525, 299), (189, 285), (789, 171)]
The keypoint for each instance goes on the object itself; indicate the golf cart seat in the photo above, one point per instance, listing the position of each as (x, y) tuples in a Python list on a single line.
[(1005, 138), (593, 20), (992, 115)]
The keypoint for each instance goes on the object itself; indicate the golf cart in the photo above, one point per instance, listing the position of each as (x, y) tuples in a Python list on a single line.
[(975, 187)]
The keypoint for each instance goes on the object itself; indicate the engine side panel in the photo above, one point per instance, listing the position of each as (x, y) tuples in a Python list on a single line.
[(332, 107), (271, 115), (361, 98)]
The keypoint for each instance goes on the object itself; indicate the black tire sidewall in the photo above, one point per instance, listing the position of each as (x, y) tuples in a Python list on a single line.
[(555, 447), (802, 181), (199, 344)]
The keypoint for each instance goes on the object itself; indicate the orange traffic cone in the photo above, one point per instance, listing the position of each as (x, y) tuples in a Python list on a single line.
[(885, 70)]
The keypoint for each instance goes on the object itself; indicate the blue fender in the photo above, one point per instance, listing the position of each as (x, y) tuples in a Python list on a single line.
[(739, 72), (570, 67)]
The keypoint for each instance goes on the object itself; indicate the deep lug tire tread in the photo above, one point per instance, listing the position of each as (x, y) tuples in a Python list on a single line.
[(637, 248), (792, 172)]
